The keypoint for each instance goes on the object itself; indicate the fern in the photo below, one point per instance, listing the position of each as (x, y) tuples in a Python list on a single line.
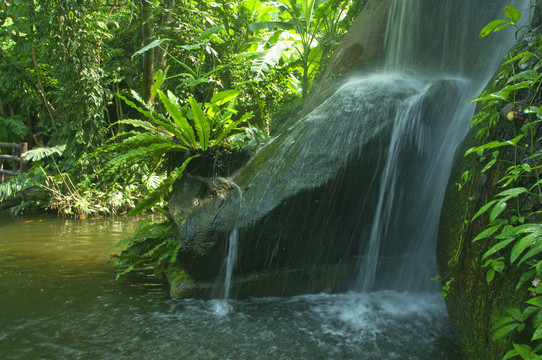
[(151, 244), (17, 126), (162, 190), (14, 186)]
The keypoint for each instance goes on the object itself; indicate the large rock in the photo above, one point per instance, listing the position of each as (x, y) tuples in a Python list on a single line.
[(304, 205), (361, 48)]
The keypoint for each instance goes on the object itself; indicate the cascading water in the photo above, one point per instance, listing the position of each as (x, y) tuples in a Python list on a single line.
[(359, 182), (230, 260), (445, 56)]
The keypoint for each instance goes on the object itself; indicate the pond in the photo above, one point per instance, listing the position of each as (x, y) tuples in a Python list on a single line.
[(60, 299)]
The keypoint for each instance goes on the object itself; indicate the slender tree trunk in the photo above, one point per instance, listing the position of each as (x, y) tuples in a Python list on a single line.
[(50, 109), (2, 113), (160, 62), (147, 21), (41, 91)]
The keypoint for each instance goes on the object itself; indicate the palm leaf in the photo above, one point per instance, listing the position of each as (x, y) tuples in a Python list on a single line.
[(17, 126), (39, 153), (270, 58)]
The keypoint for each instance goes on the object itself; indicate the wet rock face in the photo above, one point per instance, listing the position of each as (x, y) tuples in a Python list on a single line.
[(361, 48), (193, 206), (306, 201)]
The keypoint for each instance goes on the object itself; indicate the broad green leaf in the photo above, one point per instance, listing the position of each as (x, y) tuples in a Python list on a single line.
[(150, 46), (500, 245), (536, 301), (308, 9), (201, 124), (529, 228), (537, 334), (495, 144), (512, 13), (223, 97), (207, 33), (496, 211), (270, 58), (525, 352), (159, 79), (527, 75), (535, 250), (490, 275), (232, 126), (39, 153), (191, 47), (523, 55), (483, 209), (492, 26), (505, 330), (510, 354), (487, 232), (513, 192), (521, 85), (522, 244)]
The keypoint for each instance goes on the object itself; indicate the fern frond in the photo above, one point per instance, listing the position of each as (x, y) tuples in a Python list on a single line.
[(145, 112), (14, 186), (162, 190), (17, 126)]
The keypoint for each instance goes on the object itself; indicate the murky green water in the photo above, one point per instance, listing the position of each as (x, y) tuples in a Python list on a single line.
[(59, 299)]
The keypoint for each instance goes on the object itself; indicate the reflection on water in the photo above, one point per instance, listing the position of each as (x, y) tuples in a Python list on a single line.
[(59, 299)]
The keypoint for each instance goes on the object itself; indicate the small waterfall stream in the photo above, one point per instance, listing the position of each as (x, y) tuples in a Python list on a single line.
[(222, 307)]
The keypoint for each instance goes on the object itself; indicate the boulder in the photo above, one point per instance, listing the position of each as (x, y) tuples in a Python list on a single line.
[(303, 206)]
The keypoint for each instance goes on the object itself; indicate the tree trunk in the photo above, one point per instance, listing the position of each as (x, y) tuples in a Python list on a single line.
[(160, 60), (147, 30)]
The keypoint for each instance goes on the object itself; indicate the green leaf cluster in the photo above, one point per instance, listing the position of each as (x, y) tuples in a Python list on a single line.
[(153, 244), (512, 230)]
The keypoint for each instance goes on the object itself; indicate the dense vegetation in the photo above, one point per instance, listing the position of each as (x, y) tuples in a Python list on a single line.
[(109, 91), (509, 156), (118, 98)]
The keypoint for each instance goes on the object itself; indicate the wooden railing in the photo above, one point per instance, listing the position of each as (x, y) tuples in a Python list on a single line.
[(17, 162)]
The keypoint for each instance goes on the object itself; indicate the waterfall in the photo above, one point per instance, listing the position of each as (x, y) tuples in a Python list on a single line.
[(349, 196), (230, 262), (231, 253), (436, 43)]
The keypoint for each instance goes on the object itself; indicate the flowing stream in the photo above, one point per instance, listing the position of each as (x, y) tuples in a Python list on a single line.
[(60, 300)]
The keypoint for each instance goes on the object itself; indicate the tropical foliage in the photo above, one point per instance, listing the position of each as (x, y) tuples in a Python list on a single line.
[(512, 219), (118, 99)]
